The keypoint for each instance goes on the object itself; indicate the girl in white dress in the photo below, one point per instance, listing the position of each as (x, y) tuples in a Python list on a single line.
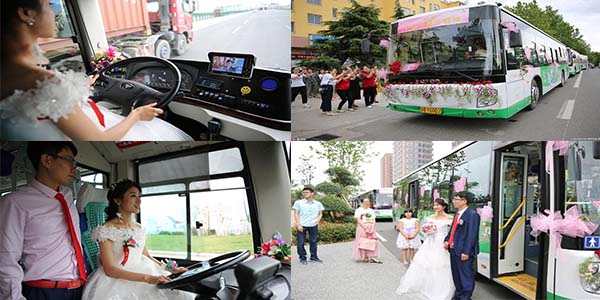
[(408, 239), (429, 277), (38, 104), (130, 274)]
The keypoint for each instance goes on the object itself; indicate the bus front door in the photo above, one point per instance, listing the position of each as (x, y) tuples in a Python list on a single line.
[(512, 216)]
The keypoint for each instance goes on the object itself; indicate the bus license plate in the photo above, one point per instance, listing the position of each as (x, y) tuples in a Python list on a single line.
[(431, 110)]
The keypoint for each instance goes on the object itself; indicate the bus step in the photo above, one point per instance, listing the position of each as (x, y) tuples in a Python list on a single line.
[(522, 284)]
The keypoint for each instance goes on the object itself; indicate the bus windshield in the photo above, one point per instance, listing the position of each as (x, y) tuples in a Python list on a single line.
[(425, 47)]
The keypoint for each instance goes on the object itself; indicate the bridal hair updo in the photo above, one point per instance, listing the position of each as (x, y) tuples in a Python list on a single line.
[(443, 203), (116, 191)]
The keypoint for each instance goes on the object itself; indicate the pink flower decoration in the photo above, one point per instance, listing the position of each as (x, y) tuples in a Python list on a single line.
[(486, 213), (131, 242)]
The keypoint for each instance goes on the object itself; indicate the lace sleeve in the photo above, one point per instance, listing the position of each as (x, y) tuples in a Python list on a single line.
[(53, 97), (103, 233)]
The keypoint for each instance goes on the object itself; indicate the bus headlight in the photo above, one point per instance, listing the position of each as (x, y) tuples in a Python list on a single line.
[(485, 101), (589, 276), (486, 95)]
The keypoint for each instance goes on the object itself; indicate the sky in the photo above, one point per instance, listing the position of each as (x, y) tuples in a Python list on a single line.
[(582, 14), (372, 178)]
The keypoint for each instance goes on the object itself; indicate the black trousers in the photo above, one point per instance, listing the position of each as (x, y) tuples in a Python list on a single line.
[(346, 96), (369, 94), (300, 90), (326, 95), (35, 293)]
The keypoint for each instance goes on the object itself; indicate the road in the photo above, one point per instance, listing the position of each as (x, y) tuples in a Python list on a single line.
[(567, 113), (341, 278), (264, 33)]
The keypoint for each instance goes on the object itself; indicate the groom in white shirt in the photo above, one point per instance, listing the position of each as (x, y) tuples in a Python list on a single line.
[(40, 228), (463, 244)]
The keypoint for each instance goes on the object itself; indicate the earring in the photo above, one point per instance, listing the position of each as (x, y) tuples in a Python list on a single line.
[(120, 217), (30, 22)]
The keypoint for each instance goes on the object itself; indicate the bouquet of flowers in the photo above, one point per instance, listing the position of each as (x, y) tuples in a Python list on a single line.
[(277, 249), (104, 59), (128, 243), (429, 228)]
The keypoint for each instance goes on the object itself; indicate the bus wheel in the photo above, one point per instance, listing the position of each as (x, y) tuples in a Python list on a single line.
[(562, 79), (535, 95), (162, 49)]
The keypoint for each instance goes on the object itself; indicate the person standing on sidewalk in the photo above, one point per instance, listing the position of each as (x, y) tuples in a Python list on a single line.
[(40, 228), (355, 88), (307, 214), (343, 89), (327, 84), (369, 86), (299, 87), (463, 243), (312, 83)]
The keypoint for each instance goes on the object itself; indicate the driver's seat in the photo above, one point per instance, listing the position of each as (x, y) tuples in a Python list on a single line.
[(94, 212)]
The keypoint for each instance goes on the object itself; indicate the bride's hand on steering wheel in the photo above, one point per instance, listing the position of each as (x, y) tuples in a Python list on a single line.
[(157, 279), (147, 112)]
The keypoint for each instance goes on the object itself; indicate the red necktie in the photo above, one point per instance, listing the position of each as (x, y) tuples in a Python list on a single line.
[(451, 239), (78, 254)]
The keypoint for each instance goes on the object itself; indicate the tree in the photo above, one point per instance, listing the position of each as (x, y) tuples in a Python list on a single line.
[(322, 62), (348, 155), (306, 170), (398, 12), (551, 22), (355, 24)]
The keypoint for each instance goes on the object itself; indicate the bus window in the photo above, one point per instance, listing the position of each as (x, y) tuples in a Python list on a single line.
[(202, 197), (221, 218), (582, 186), (61, 52)]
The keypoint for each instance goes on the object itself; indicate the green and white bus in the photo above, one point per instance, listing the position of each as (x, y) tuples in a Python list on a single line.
[(478, 61), (381, 202), (577, 62), (518, 180)]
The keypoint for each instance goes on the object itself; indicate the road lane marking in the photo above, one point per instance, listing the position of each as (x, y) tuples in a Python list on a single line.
[(578, 81), (236, 30), (381, 238), (567, 110)]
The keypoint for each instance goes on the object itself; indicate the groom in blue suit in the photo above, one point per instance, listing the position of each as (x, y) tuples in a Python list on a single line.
[(463, 244)]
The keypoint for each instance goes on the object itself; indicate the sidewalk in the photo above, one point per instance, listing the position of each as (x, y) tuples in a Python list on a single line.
[(310, 123), (339, 277)]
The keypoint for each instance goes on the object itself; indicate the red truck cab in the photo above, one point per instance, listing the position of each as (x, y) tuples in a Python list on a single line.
[(172, 19)]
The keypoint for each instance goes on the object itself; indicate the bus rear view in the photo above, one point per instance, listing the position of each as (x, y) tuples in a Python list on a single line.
[(472, 62)]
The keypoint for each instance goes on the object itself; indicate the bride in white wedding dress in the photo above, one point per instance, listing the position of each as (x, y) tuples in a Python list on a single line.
[(38, 104), (127, 270), (429, 275)]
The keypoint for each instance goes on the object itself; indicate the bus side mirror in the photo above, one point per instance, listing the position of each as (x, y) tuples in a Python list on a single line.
[(515, 39)]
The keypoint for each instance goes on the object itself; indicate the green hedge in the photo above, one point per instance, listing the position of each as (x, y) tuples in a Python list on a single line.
[(332, 233)]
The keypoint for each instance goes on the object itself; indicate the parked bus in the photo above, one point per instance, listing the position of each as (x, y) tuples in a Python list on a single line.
[(381, 202), (201, 202), (478, 61), (577, 62), (518, 180)]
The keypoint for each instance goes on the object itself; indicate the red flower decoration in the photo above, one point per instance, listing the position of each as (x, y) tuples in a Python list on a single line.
[(395, 67)]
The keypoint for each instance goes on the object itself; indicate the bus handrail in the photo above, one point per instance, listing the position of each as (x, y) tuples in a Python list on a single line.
[(513, 215), (512, 233)]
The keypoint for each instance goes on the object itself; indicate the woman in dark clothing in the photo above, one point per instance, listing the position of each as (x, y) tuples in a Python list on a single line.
[(355, 85)]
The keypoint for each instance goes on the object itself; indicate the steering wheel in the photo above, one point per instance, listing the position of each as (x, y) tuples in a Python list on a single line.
[(129, 94), (206, 269)]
